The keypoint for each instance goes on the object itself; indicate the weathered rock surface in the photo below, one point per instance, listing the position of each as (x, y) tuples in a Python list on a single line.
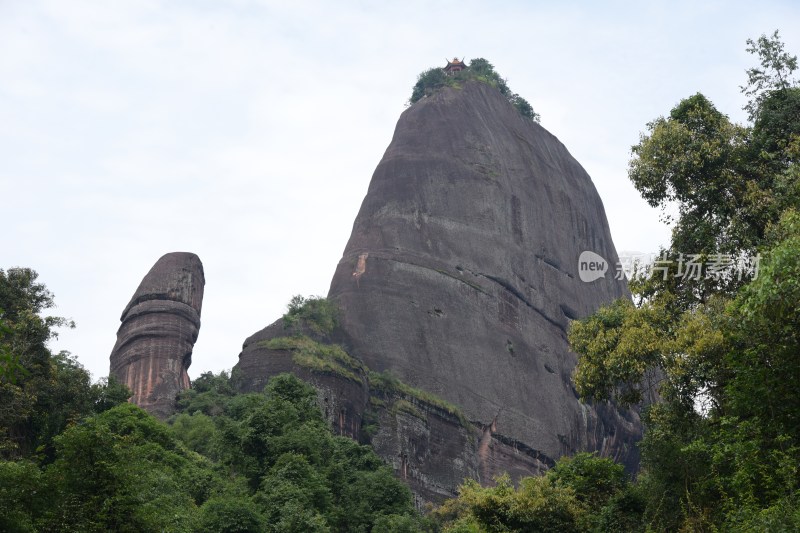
[(343, 400), (461, 273), (158, 331), (460, 278), (430, 447)]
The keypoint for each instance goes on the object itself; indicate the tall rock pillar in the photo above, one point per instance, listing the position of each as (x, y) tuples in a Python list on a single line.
[(159, 328)]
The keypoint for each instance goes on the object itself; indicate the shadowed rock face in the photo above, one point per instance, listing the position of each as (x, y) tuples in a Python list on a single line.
[(159, 328), (461, 274)]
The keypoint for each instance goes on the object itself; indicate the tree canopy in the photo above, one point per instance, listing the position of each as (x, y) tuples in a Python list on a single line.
[(720, 351), (75, 456), (479, 69), (582, 493)]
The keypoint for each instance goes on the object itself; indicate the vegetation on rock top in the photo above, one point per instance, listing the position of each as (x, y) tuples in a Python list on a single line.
[(479, 70), (314, 312), (319, 314), (332, 358)]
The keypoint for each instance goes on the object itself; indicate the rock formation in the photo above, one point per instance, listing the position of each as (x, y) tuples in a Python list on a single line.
[(158, 331), (460, 278)]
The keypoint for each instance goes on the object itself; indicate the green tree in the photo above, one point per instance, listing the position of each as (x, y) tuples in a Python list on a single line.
[(693, 160), (580, 493), (480, 70), (121, 470), (300, 476), (20, 496), (315, 313), (231, 515), (721, 446), (594, 479), (292, 484), (40, 393), (427, 82), (537, 505), (108, 393), (209, 394), (765, 329), (198, 432), (773, 74)]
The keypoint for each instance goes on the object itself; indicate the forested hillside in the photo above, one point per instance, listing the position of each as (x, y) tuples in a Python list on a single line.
[(716, 329), (77, 457)]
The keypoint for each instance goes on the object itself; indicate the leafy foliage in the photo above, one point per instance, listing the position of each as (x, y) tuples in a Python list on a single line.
[(85, 460), (583, 493), (300, 477), (773, 74), (40, 393), (479, 69), (122, 471), (20, 502), (315, 312), (231, 515), (429, 81), (722, 447), (208, 395)]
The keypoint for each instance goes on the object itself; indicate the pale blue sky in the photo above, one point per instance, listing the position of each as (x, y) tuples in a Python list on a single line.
[(247, 131)]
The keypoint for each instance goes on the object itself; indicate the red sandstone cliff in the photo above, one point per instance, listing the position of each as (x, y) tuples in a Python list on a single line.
[(159, 328)]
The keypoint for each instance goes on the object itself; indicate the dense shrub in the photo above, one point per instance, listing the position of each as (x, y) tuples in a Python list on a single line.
[(479, 69)]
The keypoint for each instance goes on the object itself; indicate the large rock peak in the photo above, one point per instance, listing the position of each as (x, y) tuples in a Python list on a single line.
[(158, 331), (459, 279), (461, 273)]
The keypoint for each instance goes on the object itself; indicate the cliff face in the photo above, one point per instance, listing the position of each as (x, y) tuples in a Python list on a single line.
[(461, 273), (460, 278), (159, 328)]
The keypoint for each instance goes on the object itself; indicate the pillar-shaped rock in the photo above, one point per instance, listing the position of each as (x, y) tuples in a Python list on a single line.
[(159, 328)]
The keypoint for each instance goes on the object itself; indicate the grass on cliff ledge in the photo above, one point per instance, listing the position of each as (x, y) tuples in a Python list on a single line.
[(385, 382), (319, 357), (321, 316), (331, 358)]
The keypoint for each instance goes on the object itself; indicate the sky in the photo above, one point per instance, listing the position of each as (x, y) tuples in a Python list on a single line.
[(247, 131)]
